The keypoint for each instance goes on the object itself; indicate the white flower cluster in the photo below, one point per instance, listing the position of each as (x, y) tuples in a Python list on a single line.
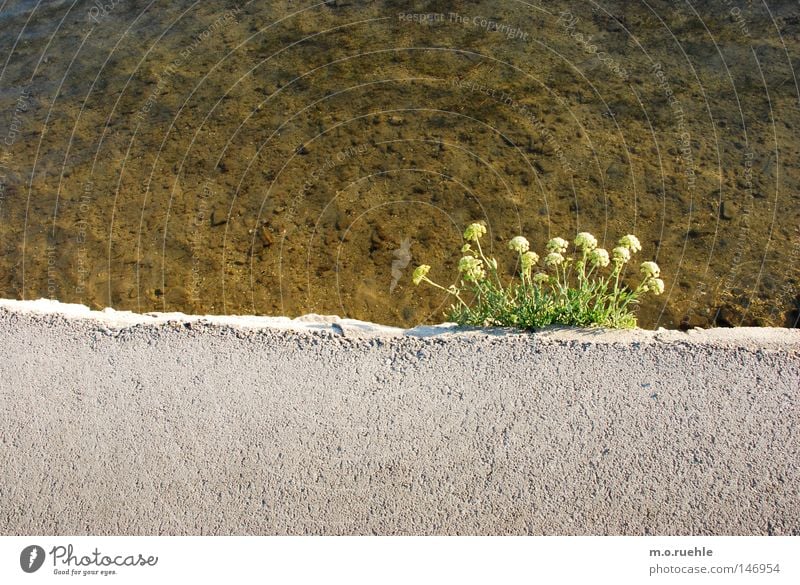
[(652, 282), (557, 245), (650, 269), (631, 242), (585, 241), (553, 259), (519, 244), (599, 257), (655, 286), (621, 254), (472, 268)]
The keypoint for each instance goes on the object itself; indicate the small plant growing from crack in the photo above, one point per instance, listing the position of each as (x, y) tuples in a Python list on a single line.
[(582, 288)]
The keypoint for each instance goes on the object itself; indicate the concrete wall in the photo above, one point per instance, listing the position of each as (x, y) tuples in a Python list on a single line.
[(123, 424)]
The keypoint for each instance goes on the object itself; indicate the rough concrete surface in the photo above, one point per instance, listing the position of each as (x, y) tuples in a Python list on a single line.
[(171, 425)]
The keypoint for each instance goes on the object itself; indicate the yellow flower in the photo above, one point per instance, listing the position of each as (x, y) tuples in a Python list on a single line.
[(419, 273), (528, 259), (599, 257), (650, 269), (585, 241), (474, 232), (519, 244), (631, 242), (465, 248), (557, 245), (472, 268)]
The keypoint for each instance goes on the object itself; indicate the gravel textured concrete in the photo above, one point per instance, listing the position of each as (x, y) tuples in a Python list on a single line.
[(166, 425)]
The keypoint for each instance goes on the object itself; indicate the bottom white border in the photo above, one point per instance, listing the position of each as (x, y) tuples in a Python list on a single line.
[(377, 560)]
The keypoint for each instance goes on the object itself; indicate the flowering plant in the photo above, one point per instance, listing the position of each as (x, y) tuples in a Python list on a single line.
[(582, 288)]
